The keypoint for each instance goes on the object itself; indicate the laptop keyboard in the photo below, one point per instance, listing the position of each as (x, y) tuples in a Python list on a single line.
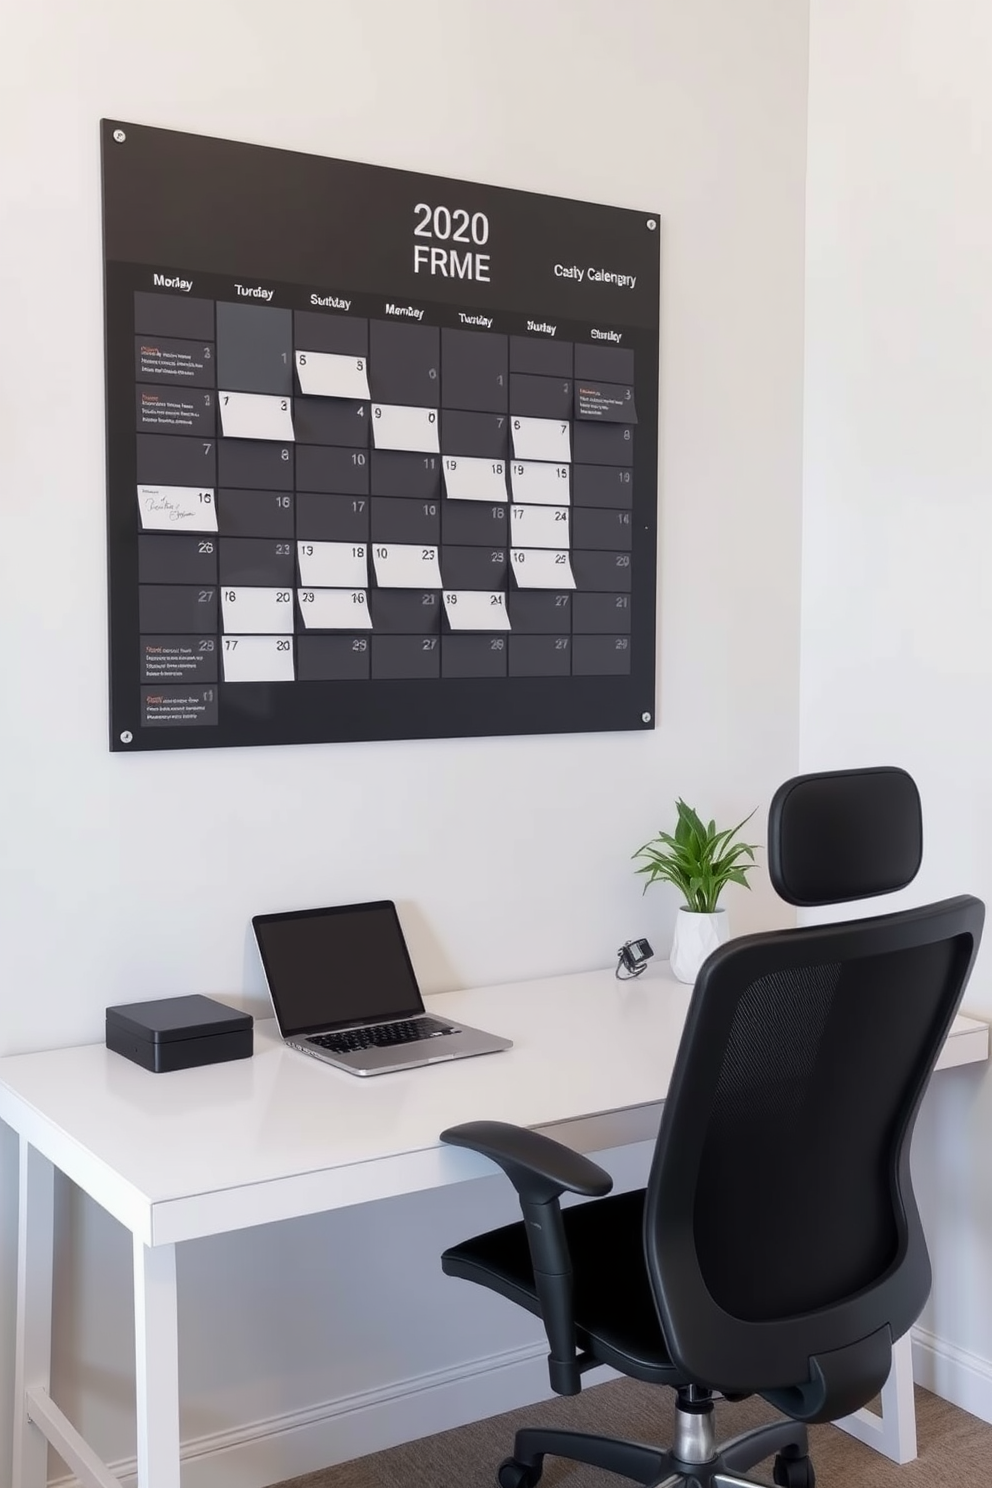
[(381, 1035)]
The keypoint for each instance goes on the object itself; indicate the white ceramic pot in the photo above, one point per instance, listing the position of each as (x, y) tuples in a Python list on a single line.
[(696, 935)]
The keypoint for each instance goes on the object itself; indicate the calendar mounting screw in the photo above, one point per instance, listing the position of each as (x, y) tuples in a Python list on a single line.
[(119, 136), (645, 717), (126, 736), (652, 224)]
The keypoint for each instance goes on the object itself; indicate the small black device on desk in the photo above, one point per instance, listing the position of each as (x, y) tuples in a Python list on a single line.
[(633, 956), (175, 1033)]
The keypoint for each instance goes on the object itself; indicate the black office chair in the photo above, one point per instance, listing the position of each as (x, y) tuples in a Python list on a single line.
[(777, 1248)]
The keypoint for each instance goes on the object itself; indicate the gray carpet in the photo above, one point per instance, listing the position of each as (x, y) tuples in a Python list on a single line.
[(955, 1449)]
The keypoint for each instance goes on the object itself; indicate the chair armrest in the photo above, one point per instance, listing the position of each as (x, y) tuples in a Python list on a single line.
[(539, 1168)]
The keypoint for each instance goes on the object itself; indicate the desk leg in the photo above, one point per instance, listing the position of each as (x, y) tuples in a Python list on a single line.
[(894, 1432), (33, 1334), (156, 1339), (899, 1404)]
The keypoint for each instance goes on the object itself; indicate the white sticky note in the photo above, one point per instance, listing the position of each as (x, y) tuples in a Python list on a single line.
[(539, 526), (255, 416), (474, 480), (251, 611), (475, 609), (398, 427), (330, 565), (326, 375), (406, 566), (540, 484), (177, 509), (335, 609), (258, 658), (541, 568), (541, 439)]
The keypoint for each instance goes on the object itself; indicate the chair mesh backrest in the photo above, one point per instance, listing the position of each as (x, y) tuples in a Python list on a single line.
[(801, 1141), (780, 1185)]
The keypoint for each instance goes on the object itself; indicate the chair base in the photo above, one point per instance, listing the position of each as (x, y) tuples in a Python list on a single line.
[(693, 1462)]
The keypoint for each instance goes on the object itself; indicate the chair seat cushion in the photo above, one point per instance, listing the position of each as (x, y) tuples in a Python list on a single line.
[(615, 1315)]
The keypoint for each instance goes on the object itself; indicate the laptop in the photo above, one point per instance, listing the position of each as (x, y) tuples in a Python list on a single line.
[(344, 990)]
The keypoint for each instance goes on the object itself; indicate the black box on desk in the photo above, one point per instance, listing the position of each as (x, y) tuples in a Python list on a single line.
[(177, 1033)]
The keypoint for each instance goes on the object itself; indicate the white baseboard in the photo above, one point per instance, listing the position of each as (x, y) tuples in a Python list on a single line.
[(963, 1378), (287, 1446)]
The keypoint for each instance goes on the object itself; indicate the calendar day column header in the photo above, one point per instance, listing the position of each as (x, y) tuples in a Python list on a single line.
[(190, 284)]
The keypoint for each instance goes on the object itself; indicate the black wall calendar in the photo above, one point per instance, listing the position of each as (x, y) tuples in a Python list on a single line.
[(382, 451)]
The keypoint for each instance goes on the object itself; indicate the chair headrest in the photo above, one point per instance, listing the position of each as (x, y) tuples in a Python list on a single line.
[(844, 834)]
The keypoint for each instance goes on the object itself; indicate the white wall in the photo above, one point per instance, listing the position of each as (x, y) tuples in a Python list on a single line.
[(123, 877), (897, 523)]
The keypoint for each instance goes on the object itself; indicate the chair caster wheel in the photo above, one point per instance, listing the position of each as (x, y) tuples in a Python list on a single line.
[(514, 1474), (793, 1472)]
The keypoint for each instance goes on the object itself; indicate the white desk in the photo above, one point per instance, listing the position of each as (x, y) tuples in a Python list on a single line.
[(200, 1152)]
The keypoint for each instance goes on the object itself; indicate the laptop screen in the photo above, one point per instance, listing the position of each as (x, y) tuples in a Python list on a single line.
[(337, 966)]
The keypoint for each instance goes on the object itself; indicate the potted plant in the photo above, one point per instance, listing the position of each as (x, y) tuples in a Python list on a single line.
[(700, 862)]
